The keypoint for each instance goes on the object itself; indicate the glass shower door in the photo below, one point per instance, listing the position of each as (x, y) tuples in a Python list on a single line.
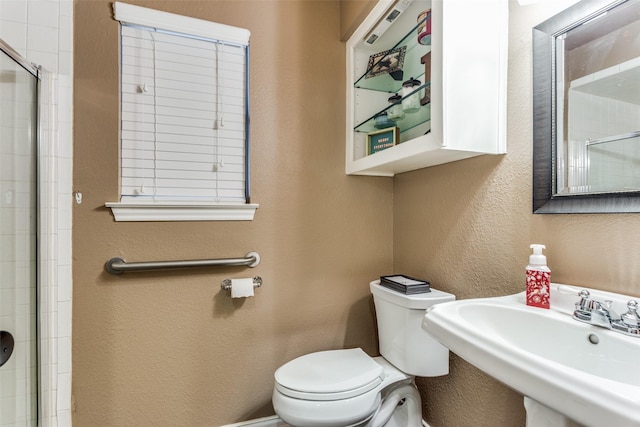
[(18, 249)]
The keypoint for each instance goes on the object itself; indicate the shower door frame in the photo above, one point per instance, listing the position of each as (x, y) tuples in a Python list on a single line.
[(47, 188), (32, 374)]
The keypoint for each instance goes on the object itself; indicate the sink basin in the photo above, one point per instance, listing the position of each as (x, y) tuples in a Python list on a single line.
[(587, 373)]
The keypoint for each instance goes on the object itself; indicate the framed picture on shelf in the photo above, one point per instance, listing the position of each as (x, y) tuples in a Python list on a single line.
[(382, 139), (426, 60), (387, 62)]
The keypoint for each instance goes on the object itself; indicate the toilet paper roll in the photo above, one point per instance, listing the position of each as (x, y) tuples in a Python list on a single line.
[(241, 288)]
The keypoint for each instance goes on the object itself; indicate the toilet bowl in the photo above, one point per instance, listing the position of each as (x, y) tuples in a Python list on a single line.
[(348, 388), (332, 388)]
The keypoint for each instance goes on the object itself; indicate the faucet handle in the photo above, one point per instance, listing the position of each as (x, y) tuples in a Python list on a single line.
[(585, 302), (631, 317), (584, 307)]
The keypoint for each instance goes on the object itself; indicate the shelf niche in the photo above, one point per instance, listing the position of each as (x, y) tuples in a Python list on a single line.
[(466, 113)]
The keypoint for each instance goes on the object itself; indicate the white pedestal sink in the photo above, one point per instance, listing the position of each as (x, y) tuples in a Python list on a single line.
[(587, 373)]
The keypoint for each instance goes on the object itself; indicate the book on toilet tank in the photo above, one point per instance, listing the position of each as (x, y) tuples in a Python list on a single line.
[(405, 284)]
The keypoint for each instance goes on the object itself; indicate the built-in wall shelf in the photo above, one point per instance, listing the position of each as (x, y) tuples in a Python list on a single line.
[(462, 70), (617, 82)]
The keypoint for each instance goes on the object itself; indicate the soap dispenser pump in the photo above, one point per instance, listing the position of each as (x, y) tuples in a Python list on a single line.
[(538, 278)]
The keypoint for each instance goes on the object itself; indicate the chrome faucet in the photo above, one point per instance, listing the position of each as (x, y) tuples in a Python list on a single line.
[(594, 312), (602, 314)]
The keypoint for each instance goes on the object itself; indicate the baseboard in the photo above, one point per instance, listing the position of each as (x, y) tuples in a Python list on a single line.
[(272, 421)]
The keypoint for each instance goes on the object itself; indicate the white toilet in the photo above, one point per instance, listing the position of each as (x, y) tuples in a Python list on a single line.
[(340, 388)]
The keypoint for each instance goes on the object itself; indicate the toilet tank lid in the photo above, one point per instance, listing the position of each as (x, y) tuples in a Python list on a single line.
[(333, 371), (415, 301)]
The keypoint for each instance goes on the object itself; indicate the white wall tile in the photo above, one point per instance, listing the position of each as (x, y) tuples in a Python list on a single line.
[(65, 37), (66, 8), (43, 39), (43, 13), (64, 417), (15, 34), (46, 59), (13, 10), (64, 392), (64, 355)]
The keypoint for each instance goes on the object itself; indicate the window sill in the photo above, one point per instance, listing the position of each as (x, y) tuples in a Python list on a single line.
[(181, 212)]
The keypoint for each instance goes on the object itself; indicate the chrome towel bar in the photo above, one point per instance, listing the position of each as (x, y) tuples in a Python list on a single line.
[(589, 142), (118, 265)]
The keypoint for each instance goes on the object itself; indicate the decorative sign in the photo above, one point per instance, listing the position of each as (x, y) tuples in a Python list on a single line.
[(382, 139)]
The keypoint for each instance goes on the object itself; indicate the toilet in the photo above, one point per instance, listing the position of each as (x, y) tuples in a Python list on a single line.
[(348, 388)]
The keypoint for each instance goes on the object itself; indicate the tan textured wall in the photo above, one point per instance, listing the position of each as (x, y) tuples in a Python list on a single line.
[(170, 348), (467, 227), (352, 13)]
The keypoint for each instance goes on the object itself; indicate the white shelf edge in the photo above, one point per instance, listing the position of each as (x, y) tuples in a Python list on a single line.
[(181, 212)]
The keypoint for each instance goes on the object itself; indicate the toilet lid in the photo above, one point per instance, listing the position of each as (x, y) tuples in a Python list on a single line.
[(329, 375)]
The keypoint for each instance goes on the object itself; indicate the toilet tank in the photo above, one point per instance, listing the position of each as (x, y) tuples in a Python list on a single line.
[(401, 338)]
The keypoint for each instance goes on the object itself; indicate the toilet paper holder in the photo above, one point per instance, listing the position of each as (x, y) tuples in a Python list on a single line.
[(226, 283)]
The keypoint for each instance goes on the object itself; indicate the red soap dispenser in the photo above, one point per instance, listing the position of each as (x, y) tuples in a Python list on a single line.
[(538, 278)]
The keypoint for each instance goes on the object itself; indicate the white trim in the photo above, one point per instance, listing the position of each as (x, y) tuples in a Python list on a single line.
[(181, 212), (54, 239), (137, 15), (47, 259)]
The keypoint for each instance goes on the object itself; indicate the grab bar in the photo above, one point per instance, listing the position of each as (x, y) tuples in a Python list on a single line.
[(118, 265)]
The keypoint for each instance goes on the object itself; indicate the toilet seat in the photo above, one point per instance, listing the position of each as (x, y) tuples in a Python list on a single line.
[(329, 375)]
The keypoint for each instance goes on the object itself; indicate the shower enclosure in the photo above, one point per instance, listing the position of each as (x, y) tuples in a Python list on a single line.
[(19, 83)]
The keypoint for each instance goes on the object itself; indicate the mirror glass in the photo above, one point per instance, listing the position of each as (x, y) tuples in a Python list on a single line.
[(587, 109)]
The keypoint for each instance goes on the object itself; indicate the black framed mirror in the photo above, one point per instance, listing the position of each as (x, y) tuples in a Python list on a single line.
[(586, 109)]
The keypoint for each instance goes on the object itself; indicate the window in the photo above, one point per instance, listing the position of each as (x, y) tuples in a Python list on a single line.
[(184, 121)]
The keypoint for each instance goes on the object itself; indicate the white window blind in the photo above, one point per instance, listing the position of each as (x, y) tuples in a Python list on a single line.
[(184, 109)]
